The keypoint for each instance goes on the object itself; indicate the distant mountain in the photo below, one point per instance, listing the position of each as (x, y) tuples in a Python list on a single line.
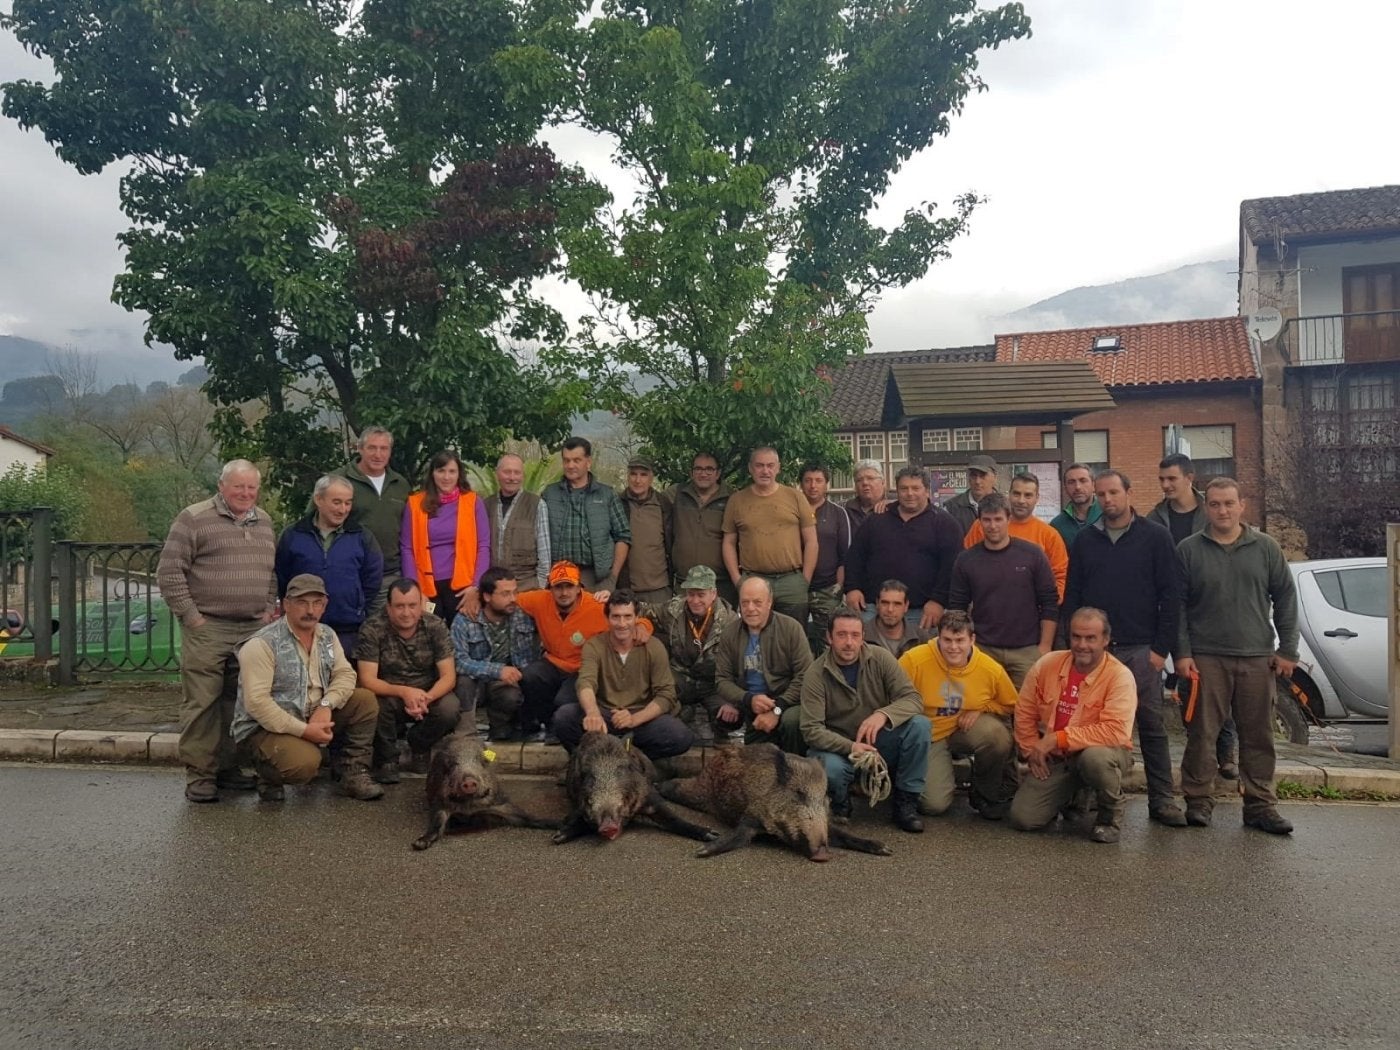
[(118, 359), (1206, 289)]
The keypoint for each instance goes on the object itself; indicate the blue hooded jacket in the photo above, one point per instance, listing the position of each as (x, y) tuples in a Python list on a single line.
[(351, 568)]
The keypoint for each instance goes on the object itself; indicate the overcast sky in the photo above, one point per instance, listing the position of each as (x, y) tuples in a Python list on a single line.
[(1118, 141)]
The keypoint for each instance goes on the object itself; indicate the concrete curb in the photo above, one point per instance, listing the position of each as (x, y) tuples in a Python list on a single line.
[(141, 748)]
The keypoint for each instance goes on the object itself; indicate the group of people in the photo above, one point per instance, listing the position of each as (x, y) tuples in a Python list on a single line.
[(386, 617)]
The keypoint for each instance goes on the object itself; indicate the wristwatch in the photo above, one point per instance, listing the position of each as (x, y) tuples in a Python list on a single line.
[(777, 710), (324, 702)]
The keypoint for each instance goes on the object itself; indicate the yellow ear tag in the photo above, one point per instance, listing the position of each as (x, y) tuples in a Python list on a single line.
[(627, 745), (490, 756)]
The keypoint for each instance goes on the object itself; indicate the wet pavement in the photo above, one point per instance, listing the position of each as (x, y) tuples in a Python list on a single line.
[(132, 919)]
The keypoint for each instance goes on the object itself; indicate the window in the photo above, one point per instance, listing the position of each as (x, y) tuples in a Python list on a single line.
[(967, 439), (1211, 448), (1090, 447), (841, 480), (898, 441), (870, 446), (938, 440), (1361, 591), (1352, 417), (1373, 293)]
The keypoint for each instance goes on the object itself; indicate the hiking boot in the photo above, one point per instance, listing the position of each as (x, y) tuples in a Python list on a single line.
[(841, 811), (271, 791), (1198, 812), (418, 763), (386, 773), (234, 779), (987, 808), (1230, 769), (1104, 833), (357, 785), (906, 812), (205, 789), (1270, 820), (665, 769), (1167, 813)]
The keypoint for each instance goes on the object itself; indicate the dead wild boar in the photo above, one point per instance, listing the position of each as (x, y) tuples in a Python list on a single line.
[(761, 790), (609, 783), (462, 784)]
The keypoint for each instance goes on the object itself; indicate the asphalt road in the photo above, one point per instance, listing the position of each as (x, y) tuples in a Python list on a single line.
[(131, 919)]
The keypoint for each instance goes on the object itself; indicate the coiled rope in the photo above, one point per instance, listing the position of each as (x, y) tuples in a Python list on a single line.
[(874, 776)]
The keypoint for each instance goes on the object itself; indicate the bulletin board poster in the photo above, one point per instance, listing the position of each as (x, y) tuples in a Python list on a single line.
[(1048, 474)]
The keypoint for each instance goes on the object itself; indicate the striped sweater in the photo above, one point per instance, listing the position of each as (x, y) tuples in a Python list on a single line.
[(214, 564)]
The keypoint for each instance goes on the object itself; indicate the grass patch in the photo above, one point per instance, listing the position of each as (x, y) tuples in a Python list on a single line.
[(1291, 789)]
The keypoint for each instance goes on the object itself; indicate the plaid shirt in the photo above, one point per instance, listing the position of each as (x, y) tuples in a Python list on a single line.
[(473, 645), (575, 543)]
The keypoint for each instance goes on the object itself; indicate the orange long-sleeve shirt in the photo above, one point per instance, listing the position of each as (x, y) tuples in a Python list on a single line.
[(1032, 530), (1103, 716), (562, 638)]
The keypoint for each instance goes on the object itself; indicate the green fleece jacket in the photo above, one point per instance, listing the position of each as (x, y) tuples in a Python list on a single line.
[(784, 655), (1229, 591), (832, 711)]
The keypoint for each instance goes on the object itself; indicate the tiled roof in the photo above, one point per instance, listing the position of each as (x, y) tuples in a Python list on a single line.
[(858, 390), (1215, 350), (1338, 213), (6, 432)]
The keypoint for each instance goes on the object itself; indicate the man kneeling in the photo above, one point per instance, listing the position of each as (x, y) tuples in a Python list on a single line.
[(296, 693), (1074, 724), (967, 695), (625, 686), (856, 699)]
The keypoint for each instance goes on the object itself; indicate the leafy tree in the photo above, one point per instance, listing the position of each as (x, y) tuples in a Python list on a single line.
[(336, 205), (25, 488), (762, 136)]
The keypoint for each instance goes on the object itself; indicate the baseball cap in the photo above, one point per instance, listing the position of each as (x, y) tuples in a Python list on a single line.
[(986, 464), (699, 578), (563, 572), (305, 583), (641, 463)]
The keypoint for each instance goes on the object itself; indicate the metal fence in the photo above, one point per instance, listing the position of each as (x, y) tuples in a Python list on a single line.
[(95, 606), (26, 582)]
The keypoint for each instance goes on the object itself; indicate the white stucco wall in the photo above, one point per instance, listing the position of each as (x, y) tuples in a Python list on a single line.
[(12, 452), (1320, 271)]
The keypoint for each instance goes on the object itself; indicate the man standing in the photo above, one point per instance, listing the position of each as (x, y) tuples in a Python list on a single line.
[(691, 625), (328, 544), (1126, 566), (697, 524), (519, 526), (624, 686), (1081, 511), (1183, 507), (856, 699), (833, 541), (1233, 575), (1074, 725), (870, 493), (404, 657), (770, 531), (1023, 496), (1009, 588), (216, 575), (759, 665), (494, 646), (587, 522), (647, 573), (967, 697), (981, 482), (565, 617), (380, 495), (913, 542), (296, 694), (1183, 512), (891, 628)]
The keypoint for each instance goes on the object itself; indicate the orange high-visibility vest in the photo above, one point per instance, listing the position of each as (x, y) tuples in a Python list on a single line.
[(463, 549)]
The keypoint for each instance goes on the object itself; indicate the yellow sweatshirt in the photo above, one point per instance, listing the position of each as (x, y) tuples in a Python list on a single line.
[(983, 685)]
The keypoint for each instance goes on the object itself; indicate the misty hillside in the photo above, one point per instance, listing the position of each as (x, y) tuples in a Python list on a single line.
[(1206, 289)]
